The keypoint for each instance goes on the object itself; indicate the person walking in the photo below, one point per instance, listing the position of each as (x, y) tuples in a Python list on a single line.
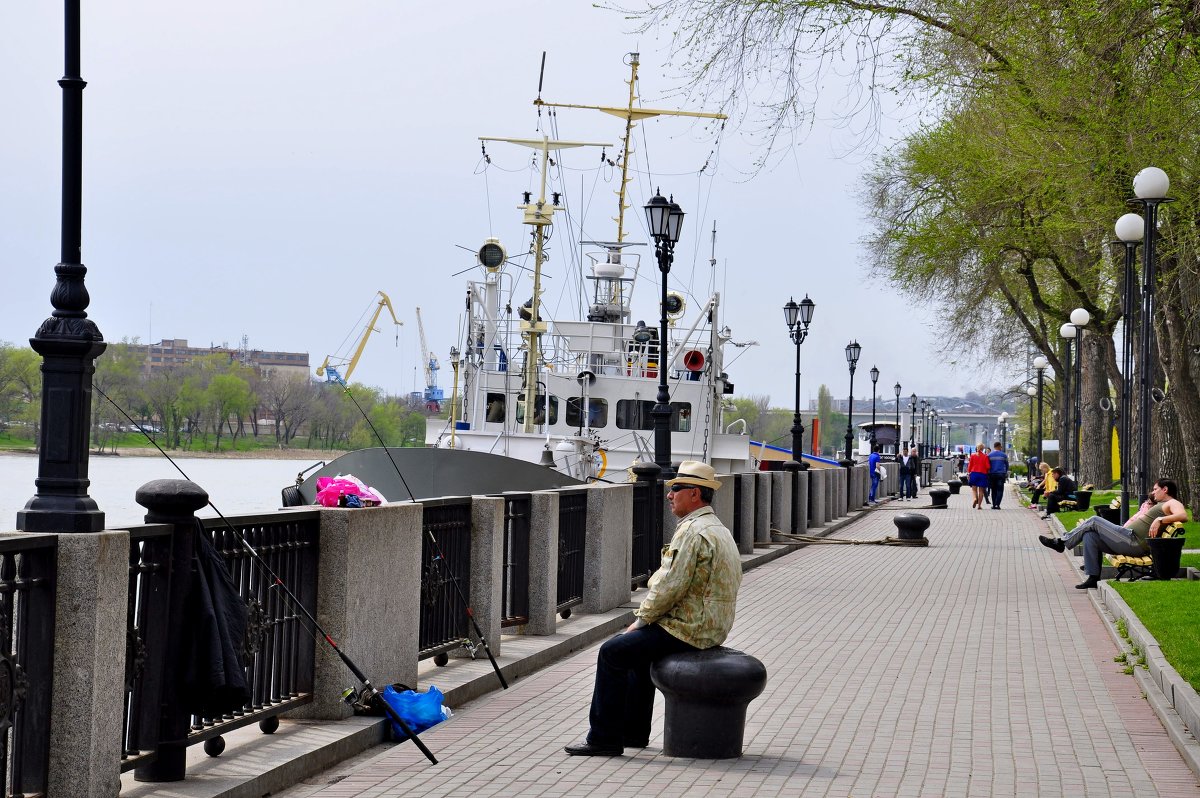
[(902, 460), (873, 464), (689, 606), (978, 467), (914, 471), (997, 473)]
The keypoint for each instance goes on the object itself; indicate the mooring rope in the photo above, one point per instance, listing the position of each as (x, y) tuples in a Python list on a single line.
[(888, 541)]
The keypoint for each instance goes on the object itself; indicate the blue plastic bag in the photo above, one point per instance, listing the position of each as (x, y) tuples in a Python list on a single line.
[(419, 710)]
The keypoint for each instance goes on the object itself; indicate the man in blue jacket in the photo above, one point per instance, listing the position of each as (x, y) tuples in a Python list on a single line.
[(873, 464), (997, 473)]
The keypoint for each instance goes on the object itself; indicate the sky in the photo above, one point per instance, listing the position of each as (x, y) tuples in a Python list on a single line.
[(263, 169)]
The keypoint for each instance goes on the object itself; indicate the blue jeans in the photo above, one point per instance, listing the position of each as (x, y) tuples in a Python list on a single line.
[(1103, 537), (874, 485), (623, 698)]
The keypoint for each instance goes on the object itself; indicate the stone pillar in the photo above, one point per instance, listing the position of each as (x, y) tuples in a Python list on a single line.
[(762, 507), (799, 479), (781, 500), (744, 534), (91, 602), (608, 550), (368, 600), (835, 494), (723, 504), (543, 562), (487, 572), (864, 486), (817, 483)]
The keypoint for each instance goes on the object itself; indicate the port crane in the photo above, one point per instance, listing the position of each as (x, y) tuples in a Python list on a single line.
[(433, 394), (333, 371)]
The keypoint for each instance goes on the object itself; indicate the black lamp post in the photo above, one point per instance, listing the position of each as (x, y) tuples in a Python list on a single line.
[(1130, 229), (912, 421), (1002, 421), (896, 388), (921, 451), (874, 380), (1067, 333), (664, 219), (1040, 363), (1031, 392), (1151, 186), (69, 342), (853, 350), (798, 317)]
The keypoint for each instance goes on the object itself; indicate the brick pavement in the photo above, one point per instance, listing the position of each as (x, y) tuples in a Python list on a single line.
[(969, 668)]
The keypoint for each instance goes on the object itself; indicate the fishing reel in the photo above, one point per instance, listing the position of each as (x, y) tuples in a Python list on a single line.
[(359, 699)]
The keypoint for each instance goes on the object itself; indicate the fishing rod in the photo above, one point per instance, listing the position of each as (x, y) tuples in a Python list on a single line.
[(363, 698), (438, 554)]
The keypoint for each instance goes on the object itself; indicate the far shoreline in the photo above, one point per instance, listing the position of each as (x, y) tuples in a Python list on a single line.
[(257, 454)]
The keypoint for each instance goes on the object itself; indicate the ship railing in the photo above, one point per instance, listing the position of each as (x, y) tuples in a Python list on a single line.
[(277, 653)]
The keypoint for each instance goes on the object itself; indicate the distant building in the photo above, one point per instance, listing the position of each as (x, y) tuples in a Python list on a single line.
[(175, 352)]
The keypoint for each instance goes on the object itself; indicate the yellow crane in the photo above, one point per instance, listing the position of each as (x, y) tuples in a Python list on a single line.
[(332, 371)]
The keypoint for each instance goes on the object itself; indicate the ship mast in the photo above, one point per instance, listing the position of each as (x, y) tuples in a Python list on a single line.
[(539, 214), (632, 115)]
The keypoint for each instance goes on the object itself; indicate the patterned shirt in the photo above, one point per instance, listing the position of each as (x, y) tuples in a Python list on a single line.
[(693, 593)]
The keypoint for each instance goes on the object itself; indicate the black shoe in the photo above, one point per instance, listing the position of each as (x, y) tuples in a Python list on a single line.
[(587, 749), (1053, 543), (1088, 584)]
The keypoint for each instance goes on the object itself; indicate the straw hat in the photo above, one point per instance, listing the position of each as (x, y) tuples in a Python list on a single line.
[(693, 472)]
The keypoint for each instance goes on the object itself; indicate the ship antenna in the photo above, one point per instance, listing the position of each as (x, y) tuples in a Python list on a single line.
[(712, 261), (541, 76)]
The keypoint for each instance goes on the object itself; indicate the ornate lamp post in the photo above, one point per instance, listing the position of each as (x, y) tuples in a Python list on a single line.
[(874, 380), (69, 342), (1079, 319), (912, 421), (896, 388), (853, 350), (1031, 392), (1002, 421), (1150, 187), (664, 219), (1129, 229), (1040, 363), (1067, 333), (798, 317), (922, 452)]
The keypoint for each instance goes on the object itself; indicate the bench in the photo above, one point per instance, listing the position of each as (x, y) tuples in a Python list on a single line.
[(1078, 501), (1135, 568)]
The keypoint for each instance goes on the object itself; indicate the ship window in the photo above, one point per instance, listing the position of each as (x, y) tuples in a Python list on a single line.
[(681, 417), (597, 412), (539, 410), (634, 414), (495, 407)]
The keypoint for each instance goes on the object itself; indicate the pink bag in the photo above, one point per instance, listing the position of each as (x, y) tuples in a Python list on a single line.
[(331, 489)]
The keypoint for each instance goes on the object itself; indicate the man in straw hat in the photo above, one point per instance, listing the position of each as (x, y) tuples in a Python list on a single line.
[(689, 606)]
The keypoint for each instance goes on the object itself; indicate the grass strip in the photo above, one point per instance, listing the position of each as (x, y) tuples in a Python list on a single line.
[(1170, 611)]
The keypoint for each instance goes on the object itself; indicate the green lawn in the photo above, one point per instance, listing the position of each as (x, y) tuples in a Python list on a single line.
[(1170, 611)]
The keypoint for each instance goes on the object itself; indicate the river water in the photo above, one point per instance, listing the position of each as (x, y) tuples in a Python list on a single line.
[(236, 486)]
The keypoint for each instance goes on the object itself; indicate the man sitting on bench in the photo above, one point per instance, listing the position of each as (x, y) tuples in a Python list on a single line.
[(1064, 488), (1104, 537)]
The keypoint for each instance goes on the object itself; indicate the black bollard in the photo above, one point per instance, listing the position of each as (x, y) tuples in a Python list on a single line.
[(706, 694), (175, 502), (911, 526), (954, 485), (938, 497)]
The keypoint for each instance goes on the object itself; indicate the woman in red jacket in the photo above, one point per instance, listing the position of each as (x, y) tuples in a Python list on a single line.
[(977, 474)]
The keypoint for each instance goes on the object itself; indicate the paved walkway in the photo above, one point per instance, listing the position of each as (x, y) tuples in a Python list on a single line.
[(969, 668)]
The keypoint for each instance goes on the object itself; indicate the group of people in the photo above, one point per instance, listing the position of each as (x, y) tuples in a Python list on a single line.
[(1052, 484), (986, 474)]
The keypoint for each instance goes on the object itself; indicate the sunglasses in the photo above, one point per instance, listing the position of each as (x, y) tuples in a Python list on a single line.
[(677, 488)]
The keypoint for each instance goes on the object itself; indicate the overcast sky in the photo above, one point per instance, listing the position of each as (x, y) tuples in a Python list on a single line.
[(262, 169)]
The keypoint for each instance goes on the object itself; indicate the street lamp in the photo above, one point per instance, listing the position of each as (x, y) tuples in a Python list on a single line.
[(798, 317), (1031, 392), (1079, 319), (853, 350), (922, 452), (1067, 333), (1150, 186), (874, 379), (912, 421), (896, 388), (664, 219), (1002, 420), (69, 342), (1040, 363), (1129, 229)]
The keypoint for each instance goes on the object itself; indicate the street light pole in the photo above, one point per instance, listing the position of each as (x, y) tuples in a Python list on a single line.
[(853, 350), (1129, 229), (896, 388), (1067, 333), (1079, 319), (1150, 186), (665, 219), (922, 452), (912, 422), (798, 317), (1040, 362), (69, 342), (874, 380)]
